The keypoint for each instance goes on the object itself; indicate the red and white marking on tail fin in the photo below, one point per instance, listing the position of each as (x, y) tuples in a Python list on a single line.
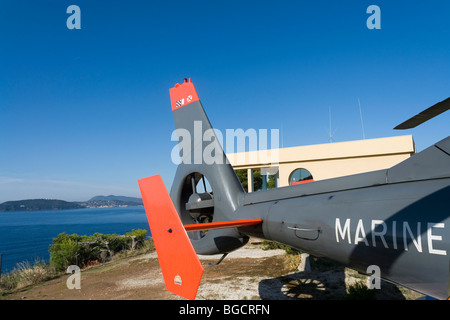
[(183, 94)]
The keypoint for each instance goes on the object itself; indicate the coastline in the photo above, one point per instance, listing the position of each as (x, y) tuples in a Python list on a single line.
[(56, 204), (26, 235)]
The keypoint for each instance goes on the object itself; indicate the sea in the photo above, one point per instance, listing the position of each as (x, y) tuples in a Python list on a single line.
[(26, 236)]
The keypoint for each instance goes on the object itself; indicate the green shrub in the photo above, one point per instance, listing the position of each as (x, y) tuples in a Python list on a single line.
[(78, 250), (359, 291), (140, 234), (63, 251), (271, 245)]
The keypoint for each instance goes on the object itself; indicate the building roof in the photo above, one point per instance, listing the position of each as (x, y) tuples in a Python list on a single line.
[(335, 150)]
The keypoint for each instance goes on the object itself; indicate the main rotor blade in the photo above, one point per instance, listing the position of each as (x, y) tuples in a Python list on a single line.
[(425, 115)]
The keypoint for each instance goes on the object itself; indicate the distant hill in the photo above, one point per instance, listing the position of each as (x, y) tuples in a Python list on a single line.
[(39, 204), (117, 198), (50, 204)]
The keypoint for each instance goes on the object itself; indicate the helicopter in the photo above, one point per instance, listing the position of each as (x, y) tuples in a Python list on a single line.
[(397, 219)]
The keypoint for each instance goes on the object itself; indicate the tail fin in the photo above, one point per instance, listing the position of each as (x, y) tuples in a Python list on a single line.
[(198, 142), (186, 209), (202, 156), (180, 266)]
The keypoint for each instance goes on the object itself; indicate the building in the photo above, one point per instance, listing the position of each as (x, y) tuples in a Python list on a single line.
[(288, 166)]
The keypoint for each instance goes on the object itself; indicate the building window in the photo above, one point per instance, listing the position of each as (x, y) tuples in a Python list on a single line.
[(299, 176), (260, 179)]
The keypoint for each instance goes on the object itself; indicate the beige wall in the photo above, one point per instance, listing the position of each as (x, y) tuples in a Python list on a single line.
[(330, 160)]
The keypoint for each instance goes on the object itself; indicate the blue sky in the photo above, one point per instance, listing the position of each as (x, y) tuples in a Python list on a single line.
[(87, 112)]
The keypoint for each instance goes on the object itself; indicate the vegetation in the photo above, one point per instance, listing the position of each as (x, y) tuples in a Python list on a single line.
[(78, 250), (360, 291), (26, 274), (271, 245), (74, 249)]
